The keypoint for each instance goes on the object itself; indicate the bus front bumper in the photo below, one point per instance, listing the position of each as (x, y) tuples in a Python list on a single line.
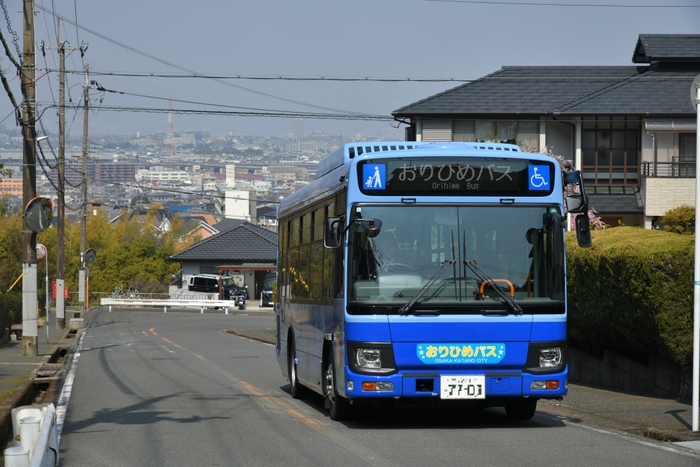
[(471, 385)]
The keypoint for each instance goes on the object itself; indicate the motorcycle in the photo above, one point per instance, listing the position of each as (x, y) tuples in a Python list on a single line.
[(241, 300)]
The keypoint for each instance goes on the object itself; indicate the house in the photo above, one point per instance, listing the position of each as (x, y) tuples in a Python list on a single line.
[(630, 129), (245, 251)]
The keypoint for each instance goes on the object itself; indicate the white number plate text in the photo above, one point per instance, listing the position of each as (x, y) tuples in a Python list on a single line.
[(463, 387)]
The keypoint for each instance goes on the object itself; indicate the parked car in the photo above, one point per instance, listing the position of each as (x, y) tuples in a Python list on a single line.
[(209, 283)]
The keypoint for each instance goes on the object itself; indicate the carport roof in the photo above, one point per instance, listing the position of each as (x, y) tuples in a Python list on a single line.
[(243, 243)]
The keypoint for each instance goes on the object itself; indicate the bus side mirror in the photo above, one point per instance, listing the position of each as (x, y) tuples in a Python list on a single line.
[(578, 202), (583, 231), (333, 232)]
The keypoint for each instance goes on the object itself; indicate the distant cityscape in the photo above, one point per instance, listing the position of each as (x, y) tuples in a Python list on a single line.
[(180, 171)]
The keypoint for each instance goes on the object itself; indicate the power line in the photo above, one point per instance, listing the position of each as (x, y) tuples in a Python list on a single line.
[(148, 74), (194, 73), (577, 5), (242, 113)]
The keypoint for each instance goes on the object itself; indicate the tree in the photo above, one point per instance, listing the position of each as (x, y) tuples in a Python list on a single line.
[(10, 249)]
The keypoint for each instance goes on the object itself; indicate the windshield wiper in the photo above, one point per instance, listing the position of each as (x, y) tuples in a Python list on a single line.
[(405, 309), (483, 277)]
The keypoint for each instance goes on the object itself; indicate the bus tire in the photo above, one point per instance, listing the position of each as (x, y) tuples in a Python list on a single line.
[(523, 409), (338, 406), (297, 389)]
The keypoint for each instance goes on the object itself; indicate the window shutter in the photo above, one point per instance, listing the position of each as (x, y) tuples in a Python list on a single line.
[(437, 130)]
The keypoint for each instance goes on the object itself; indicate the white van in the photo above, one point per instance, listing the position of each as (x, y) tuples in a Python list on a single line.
[(209, 283)]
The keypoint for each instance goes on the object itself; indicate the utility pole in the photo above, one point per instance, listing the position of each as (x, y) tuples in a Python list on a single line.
[(30, 327), (83, 209), (60, 226)]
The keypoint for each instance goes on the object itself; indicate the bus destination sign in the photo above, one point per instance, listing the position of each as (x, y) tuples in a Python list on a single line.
[(456, 176)]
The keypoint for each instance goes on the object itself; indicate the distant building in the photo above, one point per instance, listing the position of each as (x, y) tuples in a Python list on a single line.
[(162, 175), (11, 186), (298, 128), (237, 204), (119, 172)]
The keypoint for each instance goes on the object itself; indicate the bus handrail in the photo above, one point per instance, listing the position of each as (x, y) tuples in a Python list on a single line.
[(510, 284)]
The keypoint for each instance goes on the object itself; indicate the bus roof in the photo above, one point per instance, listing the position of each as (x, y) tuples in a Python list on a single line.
[(350, 151)]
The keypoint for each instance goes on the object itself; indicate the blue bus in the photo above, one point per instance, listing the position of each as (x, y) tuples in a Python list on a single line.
[(434, 273)]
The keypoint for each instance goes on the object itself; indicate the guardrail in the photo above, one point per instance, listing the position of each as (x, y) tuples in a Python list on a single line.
[(169, 303), (36, 438)]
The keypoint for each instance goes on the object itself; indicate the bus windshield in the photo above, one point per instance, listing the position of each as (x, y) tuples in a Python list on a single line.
[(447, 257)]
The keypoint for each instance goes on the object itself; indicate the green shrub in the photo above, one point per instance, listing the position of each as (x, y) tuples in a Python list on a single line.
[(680, 220), (632, 292)]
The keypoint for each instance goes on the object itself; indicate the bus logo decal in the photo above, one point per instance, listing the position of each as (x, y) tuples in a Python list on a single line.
[(538, 177), (465, 353), (374, 176)]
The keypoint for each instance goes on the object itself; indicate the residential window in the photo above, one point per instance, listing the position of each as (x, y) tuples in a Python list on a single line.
[(611, 152), (485, 131), (529, 135), (507, 132), (688, 146), (687, 151), (463, 130), (524, 134)]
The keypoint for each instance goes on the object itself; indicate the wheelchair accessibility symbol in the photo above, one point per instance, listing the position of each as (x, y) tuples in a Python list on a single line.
[(538, 177)]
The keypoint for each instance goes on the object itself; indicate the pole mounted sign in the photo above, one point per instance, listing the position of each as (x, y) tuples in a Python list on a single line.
[(40, 251)]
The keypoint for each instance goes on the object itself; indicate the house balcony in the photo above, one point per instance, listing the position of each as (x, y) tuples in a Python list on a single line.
[(669, 169)]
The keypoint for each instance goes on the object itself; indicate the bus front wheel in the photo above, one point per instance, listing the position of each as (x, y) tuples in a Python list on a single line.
[(338, 406), (298, 391), (523, 409)]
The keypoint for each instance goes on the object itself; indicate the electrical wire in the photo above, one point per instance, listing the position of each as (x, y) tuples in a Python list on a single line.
[(15, 37), (194, 73), (147, 74), (578, 5), (278, 114)]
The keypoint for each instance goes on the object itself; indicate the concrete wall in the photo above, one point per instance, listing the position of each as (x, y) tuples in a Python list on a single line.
[(658, 378), (663, 194)]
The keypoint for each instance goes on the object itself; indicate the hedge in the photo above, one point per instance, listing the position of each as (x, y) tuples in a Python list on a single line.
[(632, 292)]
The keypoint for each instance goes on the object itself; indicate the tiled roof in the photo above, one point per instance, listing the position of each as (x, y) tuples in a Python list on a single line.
[(227, 223), (667, 47), (243, 243), (536, 91), (615, 203)]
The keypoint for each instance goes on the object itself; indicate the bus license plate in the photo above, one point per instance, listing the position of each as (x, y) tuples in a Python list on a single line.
[(463, 387)]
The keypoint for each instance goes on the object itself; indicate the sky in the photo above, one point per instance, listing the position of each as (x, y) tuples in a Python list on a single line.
[(221, 58)]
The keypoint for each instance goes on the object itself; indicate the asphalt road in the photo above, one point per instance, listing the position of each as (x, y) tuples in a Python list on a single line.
[(178, 389)]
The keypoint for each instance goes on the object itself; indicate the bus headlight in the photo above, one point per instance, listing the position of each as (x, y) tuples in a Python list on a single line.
[(371, 358), (368, 358), (550, 357), (546, 357)]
